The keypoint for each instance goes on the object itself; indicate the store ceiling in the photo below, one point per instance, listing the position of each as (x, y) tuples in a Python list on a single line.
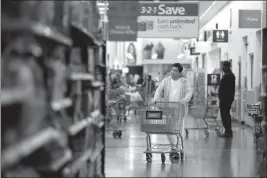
[(203, 6)]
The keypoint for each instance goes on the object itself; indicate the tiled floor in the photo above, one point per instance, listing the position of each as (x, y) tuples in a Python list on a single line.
[(212, 157)]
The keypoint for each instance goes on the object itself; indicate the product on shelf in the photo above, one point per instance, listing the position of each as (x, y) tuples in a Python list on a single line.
[(76, 64), (22, 90), (76, 11), (58, 72)]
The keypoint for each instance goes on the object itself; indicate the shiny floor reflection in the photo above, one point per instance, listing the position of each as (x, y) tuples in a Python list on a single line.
[(212, 157)]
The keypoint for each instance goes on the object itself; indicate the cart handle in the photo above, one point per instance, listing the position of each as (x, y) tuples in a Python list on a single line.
[(165, 102), (150, 104)]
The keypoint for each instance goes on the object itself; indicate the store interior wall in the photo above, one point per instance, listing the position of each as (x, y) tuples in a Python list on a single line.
[(236, 47), (117, 53), (171, 48)]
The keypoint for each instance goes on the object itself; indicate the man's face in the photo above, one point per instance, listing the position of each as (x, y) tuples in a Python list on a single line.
[(225, 68), (175, 72)]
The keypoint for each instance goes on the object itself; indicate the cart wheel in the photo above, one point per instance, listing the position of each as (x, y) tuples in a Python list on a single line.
[(149, 157), (119, 133), (163, 158), (172, 153), (176, 156), (206, 133), (182, 155), (150, 154), (218, 133), (186, 132), (115, 134)]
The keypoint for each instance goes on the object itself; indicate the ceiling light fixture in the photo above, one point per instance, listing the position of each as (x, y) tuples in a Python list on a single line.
[(208, 9)]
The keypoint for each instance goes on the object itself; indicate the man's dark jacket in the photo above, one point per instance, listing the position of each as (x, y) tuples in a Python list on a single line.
[(227, 88)]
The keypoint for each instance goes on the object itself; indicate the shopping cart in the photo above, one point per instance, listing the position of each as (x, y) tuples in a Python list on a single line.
[(205, 109), (135, 104), (116, 114), (164, 118), (114, 94)]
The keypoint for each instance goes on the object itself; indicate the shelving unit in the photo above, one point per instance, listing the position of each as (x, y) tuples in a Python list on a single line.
[(53, 90)]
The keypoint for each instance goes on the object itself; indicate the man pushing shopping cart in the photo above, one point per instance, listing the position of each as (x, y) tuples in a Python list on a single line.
[(165, 115)]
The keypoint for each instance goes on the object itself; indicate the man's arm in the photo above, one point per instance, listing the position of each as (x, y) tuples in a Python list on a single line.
[(229, 90), (189, 92), (153, 86), (143, 84), (159, 90)]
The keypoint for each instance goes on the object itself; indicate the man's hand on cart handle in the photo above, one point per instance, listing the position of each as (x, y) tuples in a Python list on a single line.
[(153, 101)]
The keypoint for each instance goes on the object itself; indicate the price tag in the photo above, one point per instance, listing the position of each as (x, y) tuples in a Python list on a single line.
[(254, 110), (154, 115)]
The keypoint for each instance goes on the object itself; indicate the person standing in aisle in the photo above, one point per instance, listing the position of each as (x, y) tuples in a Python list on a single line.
[(140, 80), (226, 97), (149, 88), (174, 88)]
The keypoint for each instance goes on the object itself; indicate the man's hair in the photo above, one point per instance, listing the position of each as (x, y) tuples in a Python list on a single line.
[(179, 66), (226, 64)]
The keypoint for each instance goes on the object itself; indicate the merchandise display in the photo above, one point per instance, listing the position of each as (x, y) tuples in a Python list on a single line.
[(53, 94)]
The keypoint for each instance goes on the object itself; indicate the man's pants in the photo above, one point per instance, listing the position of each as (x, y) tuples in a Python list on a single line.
[(226, 116)]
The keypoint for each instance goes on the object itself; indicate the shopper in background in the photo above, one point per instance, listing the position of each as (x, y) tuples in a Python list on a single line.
[(174, 88), (115, 81), (140, 80), (226, 97), (149, 88)]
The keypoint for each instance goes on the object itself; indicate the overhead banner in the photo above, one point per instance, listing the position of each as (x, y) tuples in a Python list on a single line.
[(122, 29), (122, 17), (249, 18), (123, 8), (168, 20)]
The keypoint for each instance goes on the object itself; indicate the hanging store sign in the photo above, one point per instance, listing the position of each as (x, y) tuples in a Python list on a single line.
[(123, 9), (168, 20), (249, 18), (213, 90), (122, 29), (220, 36), (214, 79)]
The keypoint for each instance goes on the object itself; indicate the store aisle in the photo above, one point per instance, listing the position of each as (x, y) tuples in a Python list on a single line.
[(213, 157)]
